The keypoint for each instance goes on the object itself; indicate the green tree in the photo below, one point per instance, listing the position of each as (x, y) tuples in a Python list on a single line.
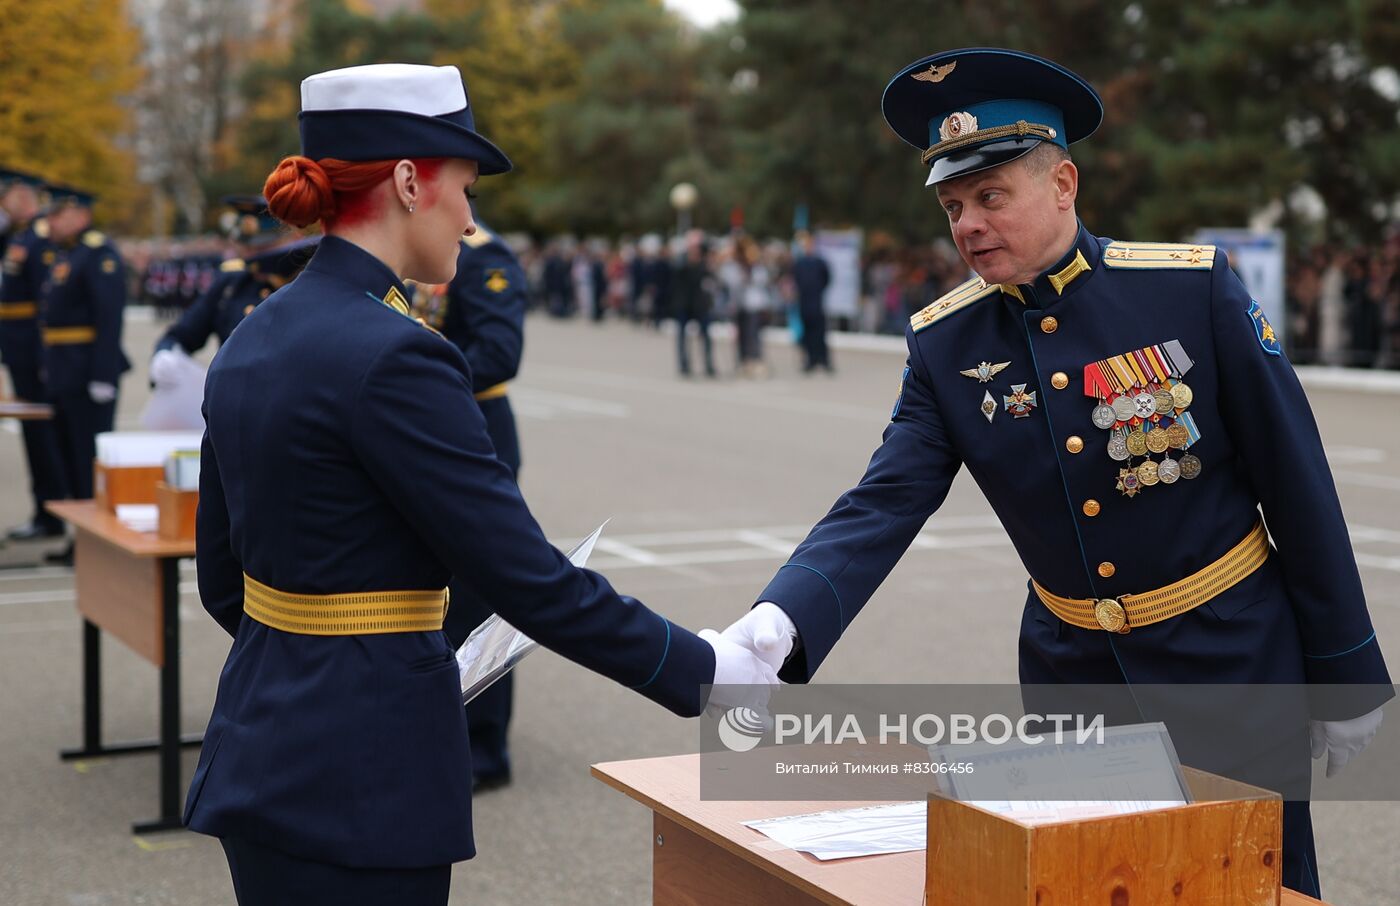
[(623, 133), (516, 67), (324, 34), (1214, 108)]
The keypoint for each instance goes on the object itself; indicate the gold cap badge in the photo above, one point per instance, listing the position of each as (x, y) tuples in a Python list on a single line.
[(936, 74), (956, 125)]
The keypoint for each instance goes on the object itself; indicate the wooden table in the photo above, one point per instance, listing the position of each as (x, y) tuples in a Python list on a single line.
[(128, 585), (702, 853), (25, 411)]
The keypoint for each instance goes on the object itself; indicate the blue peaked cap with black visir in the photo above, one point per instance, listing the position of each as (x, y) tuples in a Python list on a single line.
[(10, 177), (390, 111), (980, 107), (68, 196)]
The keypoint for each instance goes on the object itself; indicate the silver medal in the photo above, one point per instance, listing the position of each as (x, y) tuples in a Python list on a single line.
[(1104, 416), (1144, 405), (1168, 471), (1123, 408), (1118, 445)]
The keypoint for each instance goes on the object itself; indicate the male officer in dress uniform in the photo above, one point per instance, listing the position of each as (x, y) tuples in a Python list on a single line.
[(482, 311), (1127, 411), (264, 264), (27, 257), (80, 314)]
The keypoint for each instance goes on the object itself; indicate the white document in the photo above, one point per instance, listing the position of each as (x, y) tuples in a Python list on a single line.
[(144, 448), (175, 401), (1134, 769), (846, 833), (139, 517), (495, 646)]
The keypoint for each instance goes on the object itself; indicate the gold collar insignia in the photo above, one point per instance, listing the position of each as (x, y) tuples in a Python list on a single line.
[(395, 300), (1071, 271)]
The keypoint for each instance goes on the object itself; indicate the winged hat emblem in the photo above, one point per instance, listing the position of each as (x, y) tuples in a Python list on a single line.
[(936, 74), (985, 371)]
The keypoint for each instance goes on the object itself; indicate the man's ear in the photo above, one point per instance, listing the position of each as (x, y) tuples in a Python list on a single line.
[(1066, 184)]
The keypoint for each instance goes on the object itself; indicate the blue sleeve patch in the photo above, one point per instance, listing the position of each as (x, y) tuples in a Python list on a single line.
[(1264, 330), (900, 399)]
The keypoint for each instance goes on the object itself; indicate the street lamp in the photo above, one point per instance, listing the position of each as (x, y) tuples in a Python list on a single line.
[(683, 199)]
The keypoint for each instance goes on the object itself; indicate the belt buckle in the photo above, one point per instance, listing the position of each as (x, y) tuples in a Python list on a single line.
[(1111, 615)]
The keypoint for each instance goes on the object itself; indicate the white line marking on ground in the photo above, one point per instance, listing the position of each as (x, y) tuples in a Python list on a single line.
[(619, 548), (1390, 563), (1366, 480), (539, 403), (1344, 454)]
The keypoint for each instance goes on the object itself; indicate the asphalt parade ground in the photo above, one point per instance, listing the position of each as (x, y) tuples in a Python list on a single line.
[(709, 485)]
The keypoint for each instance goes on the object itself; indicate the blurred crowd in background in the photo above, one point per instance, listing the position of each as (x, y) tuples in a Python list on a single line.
[(1343, 304)]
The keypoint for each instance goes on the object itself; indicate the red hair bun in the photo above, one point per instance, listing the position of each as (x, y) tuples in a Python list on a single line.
[(299, 192)]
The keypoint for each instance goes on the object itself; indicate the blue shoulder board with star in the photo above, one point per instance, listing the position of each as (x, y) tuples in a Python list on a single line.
[(1264, 330)]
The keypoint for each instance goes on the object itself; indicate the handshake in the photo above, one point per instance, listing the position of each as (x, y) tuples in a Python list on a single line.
[(750, 653)]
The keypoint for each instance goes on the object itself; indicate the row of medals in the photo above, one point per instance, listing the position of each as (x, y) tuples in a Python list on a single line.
[(1143, 423)]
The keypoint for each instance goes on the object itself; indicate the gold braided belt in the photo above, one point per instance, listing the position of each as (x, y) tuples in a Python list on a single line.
[(1128, 611), (17, 311), (69, 336), (357, 613), (494, 392)]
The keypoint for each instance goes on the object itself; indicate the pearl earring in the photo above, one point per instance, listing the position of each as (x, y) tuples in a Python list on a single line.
[(410, 207)]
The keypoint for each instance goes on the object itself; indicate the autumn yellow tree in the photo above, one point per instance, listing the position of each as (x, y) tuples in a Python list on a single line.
[(65, 67)]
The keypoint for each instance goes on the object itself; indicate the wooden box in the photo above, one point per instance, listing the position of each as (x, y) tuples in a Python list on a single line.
[(1223, 849), (176, 509), (113, 485)]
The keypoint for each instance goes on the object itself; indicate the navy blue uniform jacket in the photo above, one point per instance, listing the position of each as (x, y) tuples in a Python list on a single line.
[(233, 294), (85, 287), (482, 312), (27, 259), (1301, 618), (344, 452)]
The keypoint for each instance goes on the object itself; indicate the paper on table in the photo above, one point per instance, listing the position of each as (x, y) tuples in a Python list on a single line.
[(139, 517), (143, 448), (1133, 769), (495, 646), (847, 833)]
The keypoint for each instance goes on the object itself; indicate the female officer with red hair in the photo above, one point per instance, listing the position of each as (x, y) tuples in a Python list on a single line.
[(346, 475)]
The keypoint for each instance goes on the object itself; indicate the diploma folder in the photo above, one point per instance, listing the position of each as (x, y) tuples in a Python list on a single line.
[(494, 647)]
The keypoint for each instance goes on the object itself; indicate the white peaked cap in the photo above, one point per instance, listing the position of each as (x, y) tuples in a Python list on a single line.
[(401, 87), (386, 111)]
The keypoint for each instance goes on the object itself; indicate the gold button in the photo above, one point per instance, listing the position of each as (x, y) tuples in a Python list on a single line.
[(1091, 508), (1059, 380), (1049, 324), (1107, 569), (1074, 444)]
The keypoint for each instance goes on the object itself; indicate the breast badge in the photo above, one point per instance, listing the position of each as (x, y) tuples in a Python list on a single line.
[(1019, 403), (985, 371), (1141, 398)]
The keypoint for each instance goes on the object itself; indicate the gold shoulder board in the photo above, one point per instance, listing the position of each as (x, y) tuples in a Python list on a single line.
[(479, 238), (232, 265), (956, 300), (94, 239), (1149, 256)]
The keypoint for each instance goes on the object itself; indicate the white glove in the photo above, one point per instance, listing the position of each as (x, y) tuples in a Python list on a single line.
[(1343, 739), (741, 679), (165, 366), (100, 392), (767, 631)]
